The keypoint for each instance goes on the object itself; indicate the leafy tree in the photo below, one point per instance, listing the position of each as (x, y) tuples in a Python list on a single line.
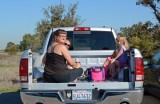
[(153, 4), (57, 16), (156, 36), (144, 37), (153, 31), (11, 48), (28, 41)]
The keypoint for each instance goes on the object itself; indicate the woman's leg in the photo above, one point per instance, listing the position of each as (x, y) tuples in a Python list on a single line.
[(75, 73), (72, 75)]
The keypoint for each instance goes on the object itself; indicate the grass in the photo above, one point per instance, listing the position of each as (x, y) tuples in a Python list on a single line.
[(9, 72)]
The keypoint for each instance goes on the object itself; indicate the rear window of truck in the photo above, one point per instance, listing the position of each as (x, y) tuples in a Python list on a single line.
[(95, 40)]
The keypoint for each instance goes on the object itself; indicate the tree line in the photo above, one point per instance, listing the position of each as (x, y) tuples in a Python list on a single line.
[(143, 36)]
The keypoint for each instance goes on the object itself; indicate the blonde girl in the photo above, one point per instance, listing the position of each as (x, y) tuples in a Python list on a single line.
[(118, 58), (121, 54)]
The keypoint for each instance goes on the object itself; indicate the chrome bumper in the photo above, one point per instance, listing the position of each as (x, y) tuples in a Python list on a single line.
[(99, 96)]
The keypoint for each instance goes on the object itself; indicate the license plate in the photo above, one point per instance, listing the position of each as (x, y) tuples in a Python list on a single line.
[(82, 95)]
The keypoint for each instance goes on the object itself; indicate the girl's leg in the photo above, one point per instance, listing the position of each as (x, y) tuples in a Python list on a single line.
[(117, 68), (114, 68), (106, 63)]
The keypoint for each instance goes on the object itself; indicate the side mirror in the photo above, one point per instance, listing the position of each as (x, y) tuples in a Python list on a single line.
[(145, 63)]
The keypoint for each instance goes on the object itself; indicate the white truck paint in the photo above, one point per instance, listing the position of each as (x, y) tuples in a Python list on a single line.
[(35, 91)]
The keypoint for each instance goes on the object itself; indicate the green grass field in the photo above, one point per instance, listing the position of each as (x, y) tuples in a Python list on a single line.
[(9, 72)]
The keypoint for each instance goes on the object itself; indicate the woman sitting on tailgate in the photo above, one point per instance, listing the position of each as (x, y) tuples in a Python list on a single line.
[(55, 69)]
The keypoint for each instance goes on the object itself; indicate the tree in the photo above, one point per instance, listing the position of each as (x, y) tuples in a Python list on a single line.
[(153, 4), (144, 37), (156, 36), (28, 41), (57, 16), (11, 48), (155, 30)]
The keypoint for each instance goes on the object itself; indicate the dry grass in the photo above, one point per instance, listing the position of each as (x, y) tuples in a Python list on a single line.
[(9, 72)]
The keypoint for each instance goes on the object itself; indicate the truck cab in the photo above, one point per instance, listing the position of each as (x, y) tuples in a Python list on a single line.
[(90, 46)]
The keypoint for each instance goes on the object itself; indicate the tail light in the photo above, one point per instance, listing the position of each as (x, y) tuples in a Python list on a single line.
[(23, 70), (139, 66), (82, 29)]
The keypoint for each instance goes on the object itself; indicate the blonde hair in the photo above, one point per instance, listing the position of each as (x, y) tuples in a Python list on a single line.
[(123, 41)]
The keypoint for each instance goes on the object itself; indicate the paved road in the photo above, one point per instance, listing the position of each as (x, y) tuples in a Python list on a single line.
[(10, 98), (14, 98), (148, 99)]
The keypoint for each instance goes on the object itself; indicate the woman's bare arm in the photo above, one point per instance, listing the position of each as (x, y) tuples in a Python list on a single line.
[(118, 55), (68, 57), (44, 57)]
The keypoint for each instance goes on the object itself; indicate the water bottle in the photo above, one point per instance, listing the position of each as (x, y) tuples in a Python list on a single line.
[(126, 74)]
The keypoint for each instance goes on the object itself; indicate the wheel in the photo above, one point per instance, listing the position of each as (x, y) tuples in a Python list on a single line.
[(124, 102)]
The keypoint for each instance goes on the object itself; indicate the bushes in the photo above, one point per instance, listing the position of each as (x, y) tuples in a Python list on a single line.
[(11, 48)]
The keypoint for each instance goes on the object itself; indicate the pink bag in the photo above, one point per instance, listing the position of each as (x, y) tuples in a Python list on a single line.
[(97, 73)]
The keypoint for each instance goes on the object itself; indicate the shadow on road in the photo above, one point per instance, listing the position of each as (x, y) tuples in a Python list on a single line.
[(10, 98)]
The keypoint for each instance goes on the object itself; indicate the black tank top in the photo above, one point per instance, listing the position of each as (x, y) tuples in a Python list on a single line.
[(55, 64)]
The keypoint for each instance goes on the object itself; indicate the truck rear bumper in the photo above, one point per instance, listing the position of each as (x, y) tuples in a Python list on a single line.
[(99, 96)]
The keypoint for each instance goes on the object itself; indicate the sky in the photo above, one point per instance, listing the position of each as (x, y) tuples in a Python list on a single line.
[(20, 17)]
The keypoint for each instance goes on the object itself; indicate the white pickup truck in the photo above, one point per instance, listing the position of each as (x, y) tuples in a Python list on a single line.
[(90, 46)]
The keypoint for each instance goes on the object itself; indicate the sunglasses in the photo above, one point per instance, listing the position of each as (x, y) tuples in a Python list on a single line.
[(67, 44)]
